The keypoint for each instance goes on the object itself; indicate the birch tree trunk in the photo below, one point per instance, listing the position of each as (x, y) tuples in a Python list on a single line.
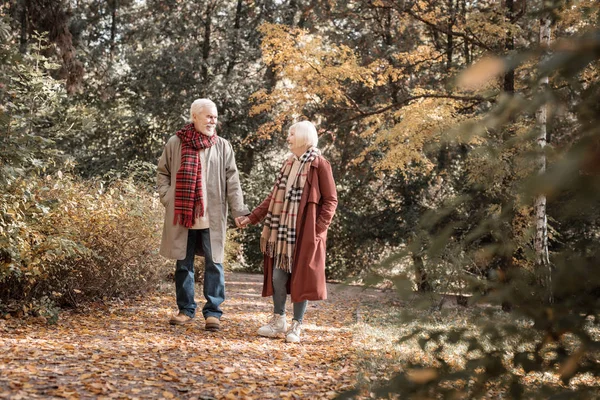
[(463, 14), (541, 236)]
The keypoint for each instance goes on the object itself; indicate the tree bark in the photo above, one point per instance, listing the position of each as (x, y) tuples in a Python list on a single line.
[(509, 46), (53, 17), (290, 16), (541, 236), (420, 274), (450, 35), (388, 38), (113, 27), (466, 47), (206, 45), (24, 28), (236, 35)]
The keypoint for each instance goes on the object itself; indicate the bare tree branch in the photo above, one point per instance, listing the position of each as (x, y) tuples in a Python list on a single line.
[(407, 100)]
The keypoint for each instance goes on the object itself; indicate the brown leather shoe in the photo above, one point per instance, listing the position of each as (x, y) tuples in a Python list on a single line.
[(180, 319), (212, 324)]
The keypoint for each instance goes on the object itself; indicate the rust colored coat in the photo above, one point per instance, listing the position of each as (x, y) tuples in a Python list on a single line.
[(317, 207)]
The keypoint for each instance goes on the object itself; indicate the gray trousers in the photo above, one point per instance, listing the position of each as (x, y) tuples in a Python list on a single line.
[(280, 278)]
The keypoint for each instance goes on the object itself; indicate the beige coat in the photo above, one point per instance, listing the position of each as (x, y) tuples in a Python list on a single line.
[(222, 185)]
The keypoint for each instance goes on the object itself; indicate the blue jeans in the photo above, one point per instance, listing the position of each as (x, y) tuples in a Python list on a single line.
[(214, 278), (280, 279)]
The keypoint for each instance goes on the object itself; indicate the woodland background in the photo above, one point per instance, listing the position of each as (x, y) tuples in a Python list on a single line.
[(464, 138)]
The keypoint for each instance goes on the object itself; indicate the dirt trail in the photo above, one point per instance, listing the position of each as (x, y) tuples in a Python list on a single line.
[(128, 350)]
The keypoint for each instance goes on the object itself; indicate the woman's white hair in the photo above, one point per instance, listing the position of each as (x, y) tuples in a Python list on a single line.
[(198, 105), (305, 134)]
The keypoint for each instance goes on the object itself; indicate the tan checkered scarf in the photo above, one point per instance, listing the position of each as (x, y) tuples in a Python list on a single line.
[(278, 238)]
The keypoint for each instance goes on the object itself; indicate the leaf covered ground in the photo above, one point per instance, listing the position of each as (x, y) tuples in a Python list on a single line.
[(128, 350)]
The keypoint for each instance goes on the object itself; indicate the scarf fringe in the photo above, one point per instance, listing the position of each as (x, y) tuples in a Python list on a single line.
[(270, 249), (183, 219), (199, 210), (281, 261), (187, 220), (284, 263)]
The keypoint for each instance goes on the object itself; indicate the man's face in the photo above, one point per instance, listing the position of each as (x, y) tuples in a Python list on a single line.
[(205, 121)]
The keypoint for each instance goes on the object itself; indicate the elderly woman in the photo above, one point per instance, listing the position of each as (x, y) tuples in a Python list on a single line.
[(297, 214)]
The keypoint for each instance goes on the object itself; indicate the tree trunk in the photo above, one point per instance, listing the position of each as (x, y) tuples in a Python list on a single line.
[(268, 12), (24, 28), (113, 27), (509, 46), (541, 236), (388, 38), (206, 45), (290, 16), (236, 35), (466, 49), (420, 274), (53, 17), (449, 35)]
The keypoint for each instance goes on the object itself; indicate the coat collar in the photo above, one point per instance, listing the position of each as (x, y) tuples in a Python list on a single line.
[(315, 164)]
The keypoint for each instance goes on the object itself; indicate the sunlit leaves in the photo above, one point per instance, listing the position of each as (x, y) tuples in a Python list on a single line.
[(312, 73)]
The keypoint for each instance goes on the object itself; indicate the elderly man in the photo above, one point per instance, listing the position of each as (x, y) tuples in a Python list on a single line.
[(197, 177)]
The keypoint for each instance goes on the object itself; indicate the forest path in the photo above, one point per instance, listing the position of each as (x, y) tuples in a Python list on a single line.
[(127, 349)]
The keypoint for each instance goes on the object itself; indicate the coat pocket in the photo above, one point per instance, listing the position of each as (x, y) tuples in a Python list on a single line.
[(167, 197), (314, 197), (320, 230)]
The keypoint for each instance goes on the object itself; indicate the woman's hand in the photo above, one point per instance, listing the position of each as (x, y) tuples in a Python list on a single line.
[(242, 222)]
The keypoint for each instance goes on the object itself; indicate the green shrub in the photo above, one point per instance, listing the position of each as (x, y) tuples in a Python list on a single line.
[(68, 241)]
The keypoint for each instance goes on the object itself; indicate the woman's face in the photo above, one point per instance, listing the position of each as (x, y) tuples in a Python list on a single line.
[(293, 142)]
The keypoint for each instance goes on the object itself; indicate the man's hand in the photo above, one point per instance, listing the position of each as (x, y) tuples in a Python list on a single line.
[(242, 222)]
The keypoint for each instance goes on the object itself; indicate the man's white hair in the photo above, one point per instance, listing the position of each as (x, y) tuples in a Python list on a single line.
[(305, 134), (198, 105)]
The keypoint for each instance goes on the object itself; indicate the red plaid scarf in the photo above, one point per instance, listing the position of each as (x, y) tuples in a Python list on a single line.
[(278, 238), (189, 203)]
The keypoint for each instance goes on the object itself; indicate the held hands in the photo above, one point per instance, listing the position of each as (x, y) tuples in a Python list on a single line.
[(242, 222)]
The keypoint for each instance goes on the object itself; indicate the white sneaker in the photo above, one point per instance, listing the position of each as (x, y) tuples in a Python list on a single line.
[(274, 327), (293, 336)]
